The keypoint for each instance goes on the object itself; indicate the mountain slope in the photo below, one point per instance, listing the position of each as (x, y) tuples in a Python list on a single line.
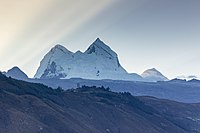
[(16, 73), (49, 68), (27, 107), (153, 75), (98, 62)]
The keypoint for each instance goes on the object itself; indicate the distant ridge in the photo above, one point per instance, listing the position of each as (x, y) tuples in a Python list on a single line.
[(190, 77), (153, 75)]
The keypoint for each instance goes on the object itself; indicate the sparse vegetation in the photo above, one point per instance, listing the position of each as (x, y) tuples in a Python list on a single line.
[(87, 109)]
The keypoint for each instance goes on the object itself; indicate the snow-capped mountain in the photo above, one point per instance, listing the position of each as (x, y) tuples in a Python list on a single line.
[(16, 73), (99, 61), (153, 75), (190, 77)]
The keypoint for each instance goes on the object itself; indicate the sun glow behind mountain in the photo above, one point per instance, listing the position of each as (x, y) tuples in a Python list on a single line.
[(29, 24), (145, 34)]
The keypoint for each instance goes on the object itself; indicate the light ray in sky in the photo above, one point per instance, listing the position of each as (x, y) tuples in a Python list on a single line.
[(47, 27), (144, 33)]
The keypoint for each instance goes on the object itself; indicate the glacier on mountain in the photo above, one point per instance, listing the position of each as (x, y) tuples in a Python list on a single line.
[(99, 61), (153, 75)]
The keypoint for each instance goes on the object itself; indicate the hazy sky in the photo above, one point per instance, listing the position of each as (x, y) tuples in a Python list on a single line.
[(164, 34)]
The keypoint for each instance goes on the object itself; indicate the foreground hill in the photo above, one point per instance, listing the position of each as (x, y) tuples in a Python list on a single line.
[(28, 107)]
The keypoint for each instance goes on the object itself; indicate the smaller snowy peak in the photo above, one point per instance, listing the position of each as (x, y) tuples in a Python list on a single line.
[(16, 73), (187, 78), (150, 72), (98, 47), (176, 80), (194, 81), (153, 75)]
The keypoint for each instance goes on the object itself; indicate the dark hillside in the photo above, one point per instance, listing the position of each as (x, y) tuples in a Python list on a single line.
[(32, 108)]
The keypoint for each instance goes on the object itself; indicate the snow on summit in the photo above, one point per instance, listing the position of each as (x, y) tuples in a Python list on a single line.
[(99, 61), (48, 66), (188, 78), (153, 75), (100, 48)]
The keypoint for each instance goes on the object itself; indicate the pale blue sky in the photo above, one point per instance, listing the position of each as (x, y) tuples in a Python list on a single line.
[(145, 33)]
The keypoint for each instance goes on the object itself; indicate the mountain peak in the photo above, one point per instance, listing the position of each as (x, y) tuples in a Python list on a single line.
[(153, 75), (98, 47), (98, 40), (16, 73), (15, 68), (60, 48), (190, 77), (152, 70)]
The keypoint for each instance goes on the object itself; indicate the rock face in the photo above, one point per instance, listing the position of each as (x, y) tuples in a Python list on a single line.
[(98, 62), (153, 75), (16, 73)]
